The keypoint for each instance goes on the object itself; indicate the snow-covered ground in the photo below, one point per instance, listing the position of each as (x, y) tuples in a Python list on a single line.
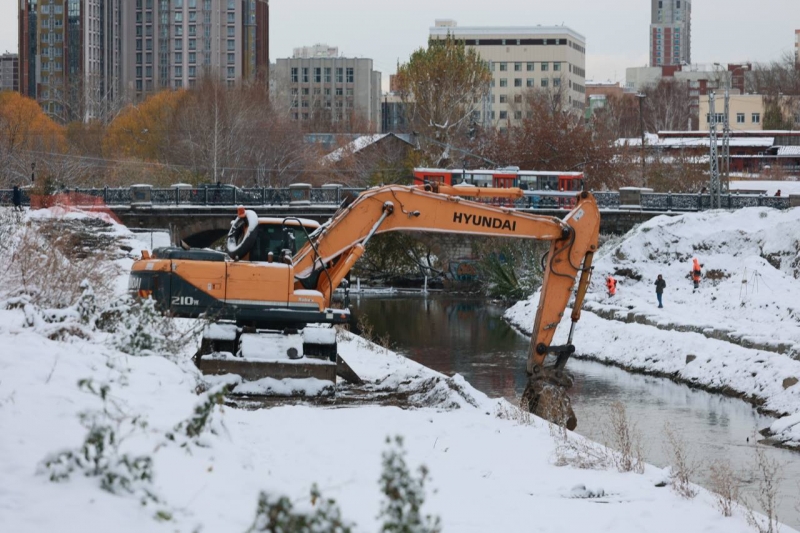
[(491, 468), (739, 333)]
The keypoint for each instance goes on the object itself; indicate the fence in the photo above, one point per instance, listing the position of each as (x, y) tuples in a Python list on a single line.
[(332, 196)]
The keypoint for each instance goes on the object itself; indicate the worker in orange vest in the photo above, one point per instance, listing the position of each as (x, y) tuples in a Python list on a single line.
[(611, 284), (696, 272)]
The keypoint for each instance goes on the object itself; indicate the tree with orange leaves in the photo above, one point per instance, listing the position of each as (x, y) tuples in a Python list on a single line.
[(144, 131), (27, 136)]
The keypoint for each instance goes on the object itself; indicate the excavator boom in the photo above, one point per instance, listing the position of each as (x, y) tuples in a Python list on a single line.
[(573, 241)]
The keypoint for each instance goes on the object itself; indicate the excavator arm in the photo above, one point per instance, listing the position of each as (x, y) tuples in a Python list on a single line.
[(333, 250)]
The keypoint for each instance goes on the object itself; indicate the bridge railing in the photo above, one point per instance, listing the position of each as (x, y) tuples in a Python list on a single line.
[(332, 196)]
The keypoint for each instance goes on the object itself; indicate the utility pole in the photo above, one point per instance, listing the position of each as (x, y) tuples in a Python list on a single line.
[(713, 155), (726, 141), (641, 97)]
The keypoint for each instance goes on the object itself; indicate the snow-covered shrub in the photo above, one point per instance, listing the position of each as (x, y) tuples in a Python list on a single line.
[(77, 320), (278, 515), (137, 327), (99, 456), (401, 510), (682, 466), (578, 452), (203, 420), (725, 486), (767, 473), (623, 436), (47, 260)]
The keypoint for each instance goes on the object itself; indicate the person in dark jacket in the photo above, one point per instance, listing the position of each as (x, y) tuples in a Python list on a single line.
[(660, 286), (16, 198)]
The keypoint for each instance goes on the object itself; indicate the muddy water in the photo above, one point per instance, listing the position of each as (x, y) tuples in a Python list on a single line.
[(469, 337)]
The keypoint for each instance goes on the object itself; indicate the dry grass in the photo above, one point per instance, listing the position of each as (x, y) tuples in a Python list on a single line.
[(578, 452), (623, 436), (682, 465), (47, 261), (725, 485), (509, 411), (767, 474)]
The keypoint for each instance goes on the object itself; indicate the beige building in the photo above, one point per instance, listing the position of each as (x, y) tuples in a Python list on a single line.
[(746, 111), (332, 88), (522, 59), (318, 50)]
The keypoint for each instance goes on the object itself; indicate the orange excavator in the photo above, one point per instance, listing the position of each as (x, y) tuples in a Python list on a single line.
[(279, 276)]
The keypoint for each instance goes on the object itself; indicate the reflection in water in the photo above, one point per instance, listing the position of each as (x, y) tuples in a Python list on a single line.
[(469, 337)]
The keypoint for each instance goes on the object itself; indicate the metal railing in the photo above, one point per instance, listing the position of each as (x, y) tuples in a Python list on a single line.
[(333, 196)]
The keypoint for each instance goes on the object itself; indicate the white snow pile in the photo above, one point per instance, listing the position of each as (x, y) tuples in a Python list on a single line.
[(739, 333), (100, 439)]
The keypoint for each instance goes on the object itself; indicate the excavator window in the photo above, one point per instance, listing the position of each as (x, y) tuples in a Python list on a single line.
[(270, 239)]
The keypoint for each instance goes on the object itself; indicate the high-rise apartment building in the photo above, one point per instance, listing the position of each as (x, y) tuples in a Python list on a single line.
[(521, 59), (9, 72), (69, 55), (333, 88), (176, 42), (670, 32), (80, 58)]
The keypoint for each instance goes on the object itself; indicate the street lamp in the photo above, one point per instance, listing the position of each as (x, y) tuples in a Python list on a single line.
[(641, 97)]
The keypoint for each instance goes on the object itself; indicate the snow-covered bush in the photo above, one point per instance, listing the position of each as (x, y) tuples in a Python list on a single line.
[(277, 515), (203, 420), (622, 435), (682, 466), (137, 327), (99, 456), (401, 511)]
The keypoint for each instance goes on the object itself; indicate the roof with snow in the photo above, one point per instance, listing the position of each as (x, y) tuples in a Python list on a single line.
[(361, 143)]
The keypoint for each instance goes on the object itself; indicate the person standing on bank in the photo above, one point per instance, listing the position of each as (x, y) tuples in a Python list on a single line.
[(611, 285), (660, 286), (696, 273), (16, 198)]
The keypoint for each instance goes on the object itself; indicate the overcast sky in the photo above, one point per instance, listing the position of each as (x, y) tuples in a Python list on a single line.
[(616, 30)]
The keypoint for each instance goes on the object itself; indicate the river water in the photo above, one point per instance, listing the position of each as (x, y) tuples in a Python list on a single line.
[(469, 337)]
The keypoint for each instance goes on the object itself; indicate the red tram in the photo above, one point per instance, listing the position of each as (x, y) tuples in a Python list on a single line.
[(530, 180)]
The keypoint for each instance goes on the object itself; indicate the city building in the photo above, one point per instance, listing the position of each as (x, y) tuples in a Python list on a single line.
[(176, 42), (69, 55), (318, 50), (329, 88), (700, 80), (393, 113), (82, 58), (746, 112), (597, 93), (551, 58), (797, 46), (670, 32), (9, 72)]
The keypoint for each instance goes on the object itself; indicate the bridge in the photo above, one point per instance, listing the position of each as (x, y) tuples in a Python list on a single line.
[(201, 215)]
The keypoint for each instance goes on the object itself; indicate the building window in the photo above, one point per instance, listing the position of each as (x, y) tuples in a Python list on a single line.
[(503, 115), (305, 74), (529, 66), (517, 98), (544, 82), (339, 91), (231, 58), (503, 98), (503, 67), (350, 75), (517, 67), (178, 72), (306, 92), (518, 115), (556, 82), (545, 67), (231, 18), (231, 72), (529, 82), (231, 44), (179, 57), (294, 74), (517, 82), (756, 118), (327, 74), (557, 66), (192, 57), (317, 74), (339, 75), (503, 82), (192, 71)]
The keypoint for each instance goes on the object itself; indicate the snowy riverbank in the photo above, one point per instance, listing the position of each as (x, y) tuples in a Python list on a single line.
[(738, 334), (491, 468)]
